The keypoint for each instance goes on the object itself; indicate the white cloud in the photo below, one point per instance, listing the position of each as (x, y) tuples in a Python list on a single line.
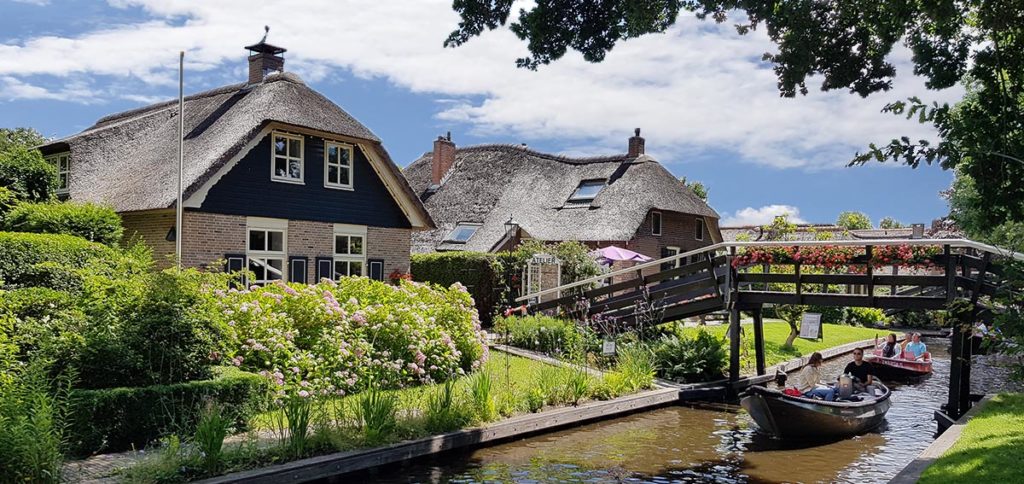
[(698, 87), (762, 216)]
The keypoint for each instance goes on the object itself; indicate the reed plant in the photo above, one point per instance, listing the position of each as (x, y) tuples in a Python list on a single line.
[(444, 410), (549, 382), (483, 399), (33, 425), (298, 413), (211, 430), (637, 366), (375, 411), (577, 385)]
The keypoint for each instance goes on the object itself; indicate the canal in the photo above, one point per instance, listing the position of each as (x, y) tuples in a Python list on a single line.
[(684, 444)]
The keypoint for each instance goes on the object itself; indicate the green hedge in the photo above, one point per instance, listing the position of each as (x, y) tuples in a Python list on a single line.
[(86, 220), (475, 270), (20, 253), (118, 419)]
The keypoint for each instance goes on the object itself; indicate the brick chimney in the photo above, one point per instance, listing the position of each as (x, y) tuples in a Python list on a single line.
[(444, 157), (636, 145), (264, 59)]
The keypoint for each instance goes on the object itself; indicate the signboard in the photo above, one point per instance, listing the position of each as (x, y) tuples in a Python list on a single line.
[(810, 326), (608, 348)]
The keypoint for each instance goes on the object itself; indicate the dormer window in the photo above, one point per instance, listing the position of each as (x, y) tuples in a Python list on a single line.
[(286, 156), (462, 233), (62, 161), (587, 190), (337, 165)]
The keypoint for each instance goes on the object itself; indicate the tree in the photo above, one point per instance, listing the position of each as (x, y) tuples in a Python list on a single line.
[(27, 138), (853, 221), (697, 187), (791, 314), (780, 228), (890, 223), (27, 175)]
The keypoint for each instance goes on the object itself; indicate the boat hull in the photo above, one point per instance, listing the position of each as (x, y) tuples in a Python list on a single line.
[(803, 418), (899, 368)]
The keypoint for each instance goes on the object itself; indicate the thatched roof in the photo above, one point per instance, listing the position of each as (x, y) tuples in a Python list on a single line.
[(488, 183), (129, 160)]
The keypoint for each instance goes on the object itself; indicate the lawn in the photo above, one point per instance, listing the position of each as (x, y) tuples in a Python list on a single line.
[(775, 333), (991, 448)]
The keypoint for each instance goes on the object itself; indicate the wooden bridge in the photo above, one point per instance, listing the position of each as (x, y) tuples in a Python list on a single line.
[(725, 277)]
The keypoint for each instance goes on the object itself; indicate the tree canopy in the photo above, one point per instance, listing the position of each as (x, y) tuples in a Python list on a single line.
[(853, 221), (27, 138), (697, 187), (890, 223)]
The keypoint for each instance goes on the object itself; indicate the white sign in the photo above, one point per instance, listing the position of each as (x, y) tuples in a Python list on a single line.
[(608, 348), (810, 326)]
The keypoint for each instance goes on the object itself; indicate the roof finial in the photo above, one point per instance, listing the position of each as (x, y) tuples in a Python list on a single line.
[(266, 32)]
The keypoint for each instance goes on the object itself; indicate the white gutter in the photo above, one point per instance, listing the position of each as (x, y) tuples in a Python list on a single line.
[(962, 243)]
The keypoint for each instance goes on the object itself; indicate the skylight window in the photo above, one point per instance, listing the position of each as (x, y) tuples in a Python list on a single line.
[(462, 233), (587, 190)]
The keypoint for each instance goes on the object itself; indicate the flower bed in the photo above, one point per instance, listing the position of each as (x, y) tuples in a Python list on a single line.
[(840, 257), (343, 337)]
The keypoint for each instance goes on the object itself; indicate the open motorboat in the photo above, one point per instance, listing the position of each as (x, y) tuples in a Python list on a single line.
[(792, 417), (901, 367)]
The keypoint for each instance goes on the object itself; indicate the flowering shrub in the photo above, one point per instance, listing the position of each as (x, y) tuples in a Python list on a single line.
[(344, 337), (835, 257)]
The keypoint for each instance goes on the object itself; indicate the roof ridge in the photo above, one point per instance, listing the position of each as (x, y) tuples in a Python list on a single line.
[(560, 158)]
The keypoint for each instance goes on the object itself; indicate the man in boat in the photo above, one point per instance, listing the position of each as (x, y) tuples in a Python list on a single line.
[(861, 371), (808, 379), (916, 346)]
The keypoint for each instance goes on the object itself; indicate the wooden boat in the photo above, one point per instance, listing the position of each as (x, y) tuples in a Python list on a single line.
[(791, 417), (900, 368)]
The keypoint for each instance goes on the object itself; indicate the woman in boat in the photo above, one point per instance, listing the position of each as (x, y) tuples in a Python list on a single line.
[(916, 346), (890, 349), (809, 377)]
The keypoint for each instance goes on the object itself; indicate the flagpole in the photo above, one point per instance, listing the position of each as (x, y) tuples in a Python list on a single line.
[(181, 156)]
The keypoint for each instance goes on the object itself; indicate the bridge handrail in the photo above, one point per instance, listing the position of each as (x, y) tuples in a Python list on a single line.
[(962, 243)]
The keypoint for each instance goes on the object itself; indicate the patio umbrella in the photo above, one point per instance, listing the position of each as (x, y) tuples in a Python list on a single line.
[(611, 254)]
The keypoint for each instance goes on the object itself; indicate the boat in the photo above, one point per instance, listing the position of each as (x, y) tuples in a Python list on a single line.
[(900, 368), (792, 417)]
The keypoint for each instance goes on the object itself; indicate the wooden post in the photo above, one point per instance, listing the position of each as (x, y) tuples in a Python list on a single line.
[(734, 344), (799, 284), (895, 272), (950, 274), (868, 250), (759, 341)]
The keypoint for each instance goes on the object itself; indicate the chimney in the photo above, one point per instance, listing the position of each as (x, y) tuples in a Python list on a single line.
[(636, 145), (264, 59), (916, 231), (444, 157)]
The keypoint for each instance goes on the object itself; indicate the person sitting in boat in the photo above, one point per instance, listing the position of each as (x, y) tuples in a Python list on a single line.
[(807, 381), (891, 349), (916, 347), (861, 371)]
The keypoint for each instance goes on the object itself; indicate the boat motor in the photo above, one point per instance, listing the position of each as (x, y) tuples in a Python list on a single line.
[(780, 378), (845, 387)]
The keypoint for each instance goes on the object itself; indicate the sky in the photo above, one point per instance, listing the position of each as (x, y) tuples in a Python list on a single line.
[(707, 104)]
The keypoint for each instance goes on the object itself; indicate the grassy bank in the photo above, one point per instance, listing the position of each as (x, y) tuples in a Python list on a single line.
[(776, 332), (991, 448)]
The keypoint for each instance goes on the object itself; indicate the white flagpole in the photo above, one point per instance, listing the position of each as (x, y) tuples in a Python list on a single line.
[(181, 155)]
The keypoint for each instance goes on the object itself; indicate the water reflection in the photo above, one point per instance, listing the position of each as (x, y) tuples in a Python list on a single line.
[(682, 444)]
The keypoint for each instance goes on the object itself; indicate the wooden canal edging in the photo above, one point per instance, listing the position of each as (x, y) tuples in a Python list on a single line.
[(912, 472), (515, 427)]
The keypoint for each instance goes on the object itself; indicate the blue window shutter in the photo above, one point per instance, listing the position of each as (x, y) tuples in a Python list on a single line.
[(324, 268), (297, 269), (376, 269), (234, 262)]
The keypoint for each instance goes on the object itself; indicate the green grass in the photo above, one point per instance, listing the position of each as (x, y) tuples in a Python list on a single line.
[(775, 333), (991, 448)]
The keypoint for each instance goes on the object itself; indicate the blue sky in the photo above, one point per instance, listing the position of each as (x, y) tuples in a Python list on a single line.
[(706, 103)]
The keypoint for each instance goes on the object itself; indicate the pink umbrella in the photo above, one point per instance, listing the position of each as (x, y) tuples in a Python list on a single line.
[(612, 254)]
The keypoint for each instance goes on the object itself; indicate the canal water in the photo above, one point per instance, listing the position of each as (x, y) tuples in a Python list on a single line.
[(684, 444)]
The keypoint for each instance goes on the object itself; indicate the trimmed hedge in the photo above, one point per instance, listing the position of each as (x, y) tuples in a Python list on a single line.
[(89, 221), (475, 270), (20, 253), (116, 419)]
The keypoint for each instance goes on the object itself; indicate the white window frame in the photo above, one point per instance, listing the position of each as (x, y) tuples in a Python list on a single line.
[(450, 240), (262, 257), (55, 159), (699, 232), (348, 258), (657, 215), (288, 157), (675, 251), (350, 168)]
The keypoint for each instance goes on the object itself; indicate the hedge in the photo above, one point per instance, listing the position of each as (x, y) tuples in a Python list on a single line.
[(116, 419), (475, 270), (20, 253), (90, 221)]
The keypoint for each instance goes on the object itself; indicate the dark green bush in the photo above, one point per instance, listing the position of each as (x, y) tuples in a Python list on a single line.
[(545, 334), (25, 172), (20, 252), (117, 419), (475, 270), (7, 202), (42, 323), (829, 314), (865, 316), (691, 359), (54, 276), (86, 220)]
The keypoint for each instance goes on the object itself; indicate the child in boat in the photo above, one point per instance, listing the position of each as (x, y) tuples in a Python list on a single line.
[(809, 377), (916, 346)]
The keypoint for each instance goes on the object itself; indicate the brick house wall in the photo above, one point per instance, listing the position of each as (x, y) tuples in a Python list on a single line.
[(677, 230), (207, 237), (392, 245), (310, 240), (151, 227)]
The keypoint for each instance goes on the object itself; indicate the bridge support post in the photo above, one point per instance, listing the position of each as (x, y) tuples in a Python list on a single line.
[(759, 341), (734, 344)]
